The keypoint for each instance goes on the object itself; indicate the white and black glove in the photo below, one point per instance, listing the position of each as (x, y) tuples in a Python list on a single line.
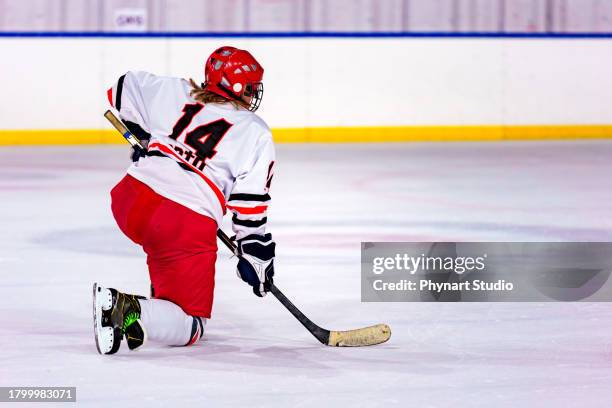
[(256, 262)]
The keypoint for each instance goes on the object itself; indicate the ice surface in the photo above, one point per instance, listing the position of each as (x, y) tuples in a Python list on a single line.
[(58, 237)]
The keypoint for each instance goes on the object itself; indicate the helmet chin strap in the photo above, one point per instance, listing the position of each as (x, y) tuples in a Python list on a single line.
[(231, 95), (224, 89), (227, 91)]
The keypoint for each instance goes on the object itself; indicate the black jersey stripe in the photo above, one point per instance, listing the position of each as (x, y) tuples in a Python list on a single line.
[(160, 154), (249, 197), (249, 223), (119, 91), (155, 153)]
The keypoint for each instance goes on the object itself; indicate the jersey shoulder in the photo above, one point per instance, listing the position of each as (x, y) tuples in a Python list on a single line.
[(260, 126), (146, 79), (144, 76)]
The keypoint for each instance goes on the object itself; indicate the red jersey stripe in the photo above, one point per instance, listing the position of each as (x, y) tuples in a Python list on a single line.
[(212, 185), (109, 94), (249, 210)]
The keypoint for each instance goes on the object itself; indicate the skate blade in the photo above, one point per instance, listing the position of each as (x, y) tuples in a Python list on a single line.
[(107, 339)]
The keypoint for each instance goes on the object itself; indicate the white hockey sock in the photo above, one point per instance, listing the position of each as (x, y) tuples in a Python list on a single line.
[(167, 323)]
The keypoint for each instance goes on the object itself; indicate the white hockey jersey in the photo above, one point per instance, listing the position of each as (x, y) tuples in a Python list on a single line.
[(208, 158)]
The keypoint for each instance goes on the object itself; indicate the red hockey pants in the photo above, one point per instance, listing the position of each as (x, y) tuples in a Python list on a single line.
[(181, 245)]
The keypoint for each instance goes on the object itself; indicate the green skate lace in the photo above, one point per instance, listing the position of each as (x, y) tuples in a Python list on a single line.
[(129, 320)]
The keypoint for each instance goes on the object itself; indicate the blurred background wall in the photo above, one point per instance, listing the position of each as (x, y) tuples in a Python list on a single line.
[(308, 15), (340, 88)]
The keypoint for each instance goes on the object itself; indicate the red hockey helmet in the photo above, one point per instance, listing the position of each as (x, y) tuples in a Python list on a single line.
[(233, 73)]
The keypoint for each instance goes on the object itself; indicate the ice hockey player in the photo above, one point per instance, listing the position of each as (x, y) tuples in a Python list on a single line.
[(207, 152)]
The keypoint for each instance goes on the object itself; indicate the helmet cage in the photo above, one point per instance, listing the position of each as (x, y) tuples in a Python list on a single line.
[(255, 92)]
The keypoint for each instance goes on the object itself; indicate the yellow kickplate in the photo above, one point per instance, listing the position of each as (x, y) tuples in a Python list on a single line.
[(379, 134)]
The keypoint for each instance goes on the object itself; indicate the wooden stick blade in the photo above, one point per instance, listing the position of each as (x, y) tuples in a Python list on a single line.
[(367, 336)]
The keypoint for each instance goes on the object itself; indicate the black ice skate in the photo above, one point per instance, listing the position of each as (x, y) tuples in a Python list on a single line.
[(116, 315)]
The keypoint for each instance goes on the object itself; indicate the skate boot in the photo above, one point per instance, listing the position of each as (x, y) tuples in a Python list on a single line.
[(116, 315)]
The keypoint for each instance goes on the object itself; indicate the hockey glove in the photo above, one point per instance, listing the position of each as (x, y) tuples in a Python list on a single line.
[(256, 262), (137, 153)]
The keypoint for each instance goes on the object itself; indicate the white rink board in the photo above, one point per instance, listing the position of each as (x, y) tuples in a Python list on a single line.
[(59, 237), (61, 83)]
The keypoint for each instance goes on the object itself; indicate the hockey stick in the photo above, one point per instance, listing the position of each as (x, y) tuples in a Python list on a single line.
[(366, 336), (121, 128)]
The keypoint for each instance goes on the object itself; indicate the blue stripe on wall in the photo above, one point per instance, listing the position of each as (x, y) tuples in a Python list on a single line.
[(98, 34)]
